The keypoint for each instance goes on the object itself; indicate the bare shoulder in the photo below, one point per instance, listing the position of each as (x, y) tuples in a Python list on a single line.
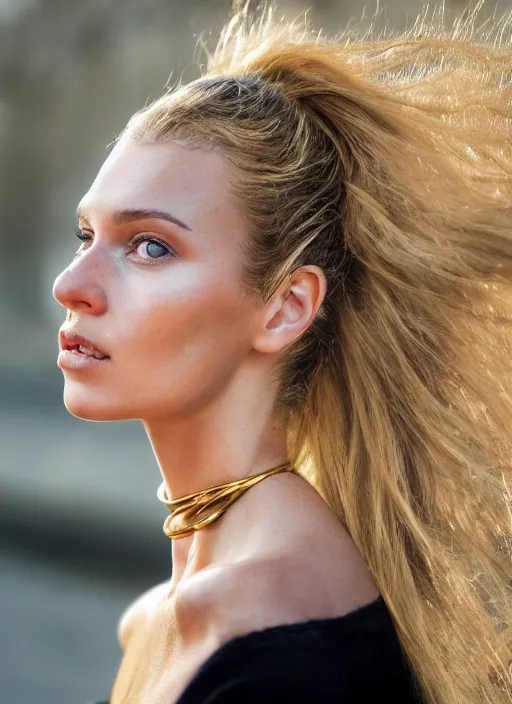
[(139, 610), (298, 570), (286, 571), (258, 593)]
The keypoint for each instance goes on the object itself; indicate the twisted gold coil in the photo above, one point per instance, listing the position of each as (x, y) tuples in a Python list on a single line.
[(194, 511)]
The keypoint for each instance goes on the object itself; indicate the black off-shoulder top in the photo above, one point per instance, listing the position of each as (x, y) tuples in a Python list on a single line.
[(351, 659)]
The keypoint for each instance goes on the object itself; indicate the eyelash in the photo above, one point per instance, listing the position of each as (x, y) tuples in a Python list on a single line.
[(87, 237)]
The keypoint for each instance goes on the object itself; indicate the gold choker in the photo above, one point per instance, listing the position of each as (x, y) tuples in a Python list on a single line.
[(194, 511)]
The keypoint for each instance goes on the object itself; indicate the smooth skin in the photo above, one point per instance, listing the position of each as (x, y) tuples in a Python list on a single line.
[(194, 359)]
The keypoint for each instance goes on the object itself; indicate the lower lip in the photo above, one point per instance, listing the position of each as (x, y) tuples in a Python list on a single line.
[(71, 359)]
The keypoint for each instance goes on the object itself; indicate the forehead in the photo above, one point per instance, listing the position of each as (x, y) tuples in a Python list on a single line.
[(193, 182)]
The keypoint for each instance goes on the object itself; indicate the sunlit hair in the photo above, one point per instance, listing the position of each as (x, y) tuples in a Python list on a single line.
[(387, 161)]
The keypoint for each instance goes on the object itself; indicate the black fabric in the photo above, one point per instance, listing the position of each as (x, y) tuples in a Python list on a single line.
[(350, 659)]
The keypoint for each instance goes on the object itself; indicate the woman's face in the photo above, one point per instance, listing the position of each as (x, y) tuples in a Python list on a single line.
[(155, 286)]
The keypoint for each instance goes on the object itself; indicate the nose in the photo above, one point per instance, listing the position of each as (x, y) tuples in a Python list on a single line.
[(77, 288)]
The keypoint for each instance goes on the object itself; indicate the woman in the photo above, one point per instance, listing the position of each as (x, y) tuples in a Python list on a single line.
[(295, 272)]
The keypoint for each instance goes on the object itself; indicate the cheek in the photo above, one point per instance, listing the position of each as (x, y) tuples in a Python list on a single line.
[(185, 343)]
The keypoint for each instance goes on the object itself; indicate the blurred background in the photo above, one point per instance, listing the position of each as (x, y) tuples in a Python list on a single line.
[(80, 524)]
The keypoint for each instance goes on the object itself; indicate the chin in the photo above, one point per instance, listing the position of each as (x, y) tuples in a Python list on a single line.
[(89, 406)]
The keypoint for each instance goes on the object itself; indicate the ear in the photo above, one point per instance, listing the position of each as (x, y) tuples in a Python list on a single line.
[(291, 310)]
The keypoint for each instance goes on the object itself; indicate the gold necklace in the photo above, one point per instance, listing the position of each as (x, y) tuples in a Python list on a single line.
[(194, 511)]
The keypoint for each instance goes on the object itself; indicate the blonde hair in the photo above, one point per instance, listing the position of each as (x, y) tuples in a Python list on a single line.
[(387, 162)]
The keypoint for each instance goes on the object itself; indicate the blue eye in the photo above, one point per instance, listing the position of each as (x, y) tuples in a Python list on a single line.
[(146, 246), (150, 248)]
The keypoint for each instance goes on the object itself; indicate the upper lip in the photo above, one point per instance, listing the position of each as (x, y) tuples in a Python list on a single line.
[(69, 340)]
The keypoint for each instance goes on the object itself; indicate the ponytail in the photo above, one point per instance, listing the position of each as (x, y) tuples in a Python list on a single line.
[(388, 163)]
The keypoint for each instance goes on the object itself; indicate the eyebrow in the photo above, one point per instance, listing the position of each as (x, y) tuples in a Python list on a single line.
[(120, 217)]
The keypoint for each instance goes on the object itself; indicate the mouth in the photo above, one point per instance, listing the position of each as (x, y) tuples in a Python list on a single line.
[(78, 345)]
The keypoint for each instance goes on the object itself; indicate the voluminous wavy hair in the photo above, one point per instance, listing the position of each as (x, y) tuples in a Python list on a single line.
[(387, 161)]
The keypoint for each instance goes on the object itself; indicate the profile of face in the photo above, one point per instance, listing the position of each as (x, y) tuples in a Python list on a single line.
[(155, 286)]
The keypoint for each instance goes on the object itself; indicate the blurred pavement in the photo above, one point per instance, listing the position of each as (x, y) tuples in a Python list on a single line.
[(58, 641)]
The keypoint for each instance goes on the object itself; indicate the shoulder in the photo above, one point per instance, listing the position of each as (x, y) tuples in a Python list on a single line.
[(229, 600), (264, 592), (297, 562)]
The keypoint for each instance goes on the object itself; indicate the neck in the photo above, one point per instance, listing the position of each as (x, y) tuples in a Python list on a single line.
[(219, 444)]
